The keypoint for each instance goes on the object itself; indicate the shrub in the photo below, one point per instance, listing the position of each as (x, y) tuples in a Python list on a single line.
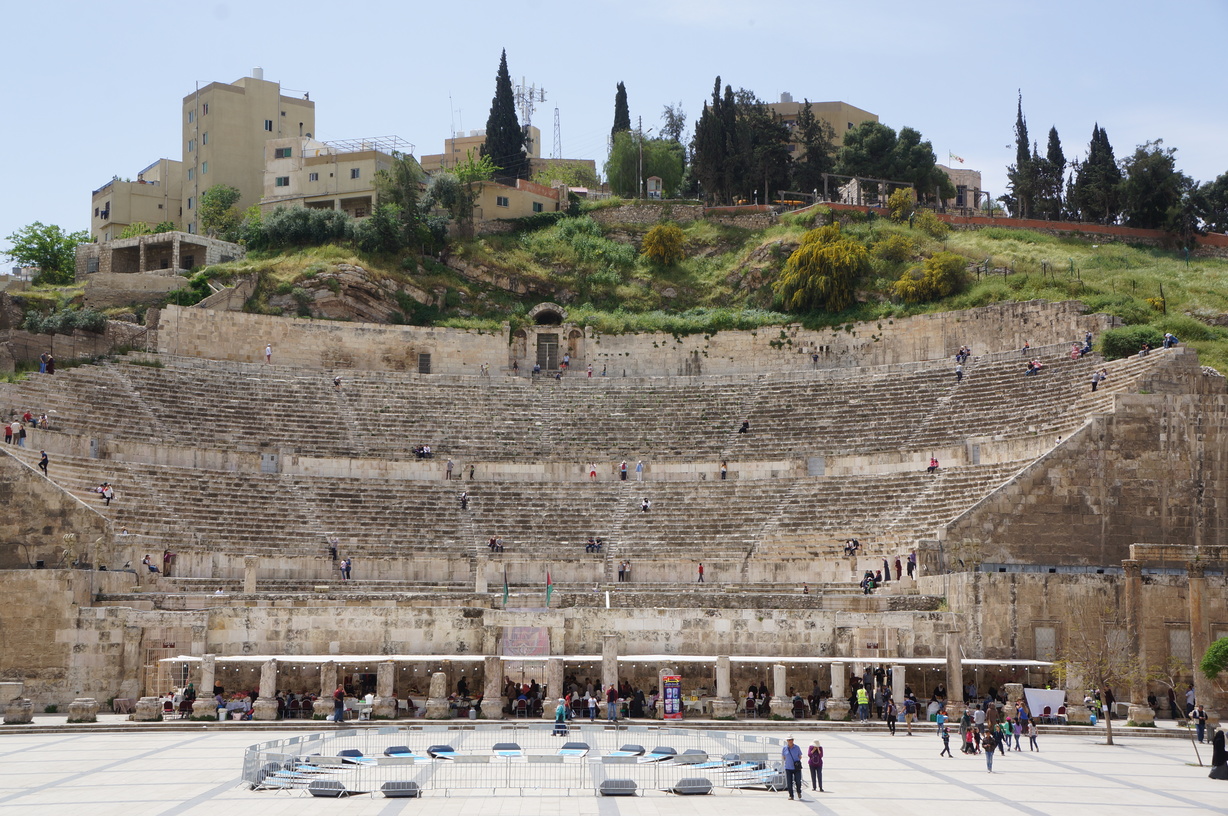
[(663, 244), (902, 202), (301, 226), (1118, 343), (65, 321), (822, 273), (384, 231), (928, 223), (938, 277), (894, 247), (1188, 328)]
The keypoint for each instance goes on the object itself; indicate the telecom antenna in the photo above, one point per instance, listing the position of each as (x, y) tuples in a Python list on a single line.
[(527, 97), (557, 153)]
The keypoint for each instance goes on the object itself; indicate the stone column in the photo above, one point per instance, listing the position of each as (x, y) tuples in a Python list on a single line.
[(322, 708), (479, 577), (148, 709), (266, 704), (897, 686), (838, 703), (1204, 691), (384, 706), (782, 705), (724, 706), (17, 709), (205, 706), (609, 661), (1076, 712), (437, 699), (492, 688), (250, 562), (1139, 711), (554, 686), (955, 676)]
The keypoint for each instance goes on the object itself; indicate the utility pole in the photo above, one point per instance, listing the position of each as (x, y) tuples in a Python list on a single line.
[(639, 174)]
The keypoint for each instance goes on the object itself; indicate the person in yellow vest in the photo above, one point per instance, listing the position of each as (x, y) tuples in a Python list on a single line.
[(863, 704)]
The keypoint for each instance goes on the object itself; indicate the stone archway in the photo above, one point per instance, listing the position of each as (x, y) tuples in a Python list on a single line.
[(548, 314)]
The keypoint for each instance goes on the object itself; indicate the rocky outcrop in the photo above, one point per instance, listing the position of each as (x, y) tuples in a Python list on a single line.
[(349, 292)]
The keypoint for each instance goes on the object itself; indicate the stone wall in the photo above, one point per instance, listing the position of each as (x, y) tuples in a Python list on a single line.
[(649, 213), (38, 514), (1152, 471), (242, 337), (317, 344), (106, 289)]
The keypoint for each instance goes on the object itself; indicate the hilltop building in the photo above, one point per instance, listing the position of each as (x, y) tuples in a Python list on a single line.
[(841, 116)]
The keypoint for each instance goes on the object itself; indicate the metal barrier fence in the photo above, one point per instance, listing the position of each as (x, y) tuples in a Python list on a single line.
[(512, 759)]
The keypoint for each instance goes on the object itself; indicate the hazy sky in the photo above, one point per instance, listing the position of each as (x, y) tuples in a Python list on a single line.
[(94, 89)]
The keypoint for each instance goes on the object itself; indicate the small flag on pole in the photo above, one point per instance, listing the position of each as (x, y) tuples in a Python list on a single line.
[(953, 156), (549, 588), (505, 593)]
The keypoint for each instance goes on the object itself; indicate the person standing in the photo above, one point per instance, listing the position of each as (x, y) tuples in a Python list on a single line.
[(339, 704), (592, 707), (701, 580), (946, 742), (622, 471), (910, 712), (1219, 756), (611, 704), (472, 468), (627, 570), (791, 756), (448, 469), (1096, 378), (639, 471), (1200, 722), (1032, 746), (892, 713), (814, 759), (724, 469), (863, 704), (107, 492), (592, 471), (988, 744), (19, 433), (959, 372), (42, 462), (621, 570), (268, 353)]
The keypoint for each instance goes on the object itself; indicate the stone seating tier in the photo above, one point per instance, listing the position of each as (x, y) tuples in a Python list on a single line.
[(385, 415), (415, 528)]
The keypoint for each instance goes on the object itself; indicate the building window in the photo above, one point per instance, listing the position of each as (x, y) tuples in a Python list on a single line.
[(191, 116), (313, 176), (192, 228), (204, 138), (282, 181), (354, 172), (501, 201), (191, 201), (850, 127), (268, 125), (1179, 644), (360, 212), (204, 168), (191, 173), (1046, 642), (191, 145), (95, 212), (537, 206), (282, 152), (204, 109)]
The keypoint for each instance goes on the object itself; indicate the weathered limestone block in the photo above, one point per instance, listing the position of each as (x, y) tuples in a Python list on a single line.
[(83, 710), (148, 709), (437, 701), (19, 711), (384, 706), (1078, 714)]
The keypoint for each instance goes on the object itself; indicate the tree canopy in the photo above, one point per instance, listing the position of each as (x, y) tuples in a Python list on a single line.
[(505, 143), (218, 211), (874, 150), (1023, 177), (1153, 187), (622, 114), (48, 247), (662, 158), (817, 140), (740, 146), (1096, 194), (822, 273)]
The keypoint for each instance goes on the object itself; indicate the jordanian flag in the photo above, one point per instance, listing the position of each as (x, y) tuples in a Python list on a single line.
[(953, 156), (549, 588), (505, 586)]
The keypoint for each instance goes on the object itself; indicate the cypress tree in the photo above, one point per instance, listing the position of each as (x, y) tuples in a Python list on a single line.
[(1097, 188), (622, 114), (1052, 173), (505, 143), (1022, 175)]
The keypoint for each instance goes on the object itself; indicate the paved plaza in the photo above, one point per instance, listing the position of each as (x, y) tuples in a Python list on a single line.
[(158, 772)]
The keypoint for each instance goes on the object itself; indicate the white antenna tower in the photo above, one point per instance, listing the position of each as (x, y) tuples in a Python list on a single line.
[(557, 153), (527, 98)]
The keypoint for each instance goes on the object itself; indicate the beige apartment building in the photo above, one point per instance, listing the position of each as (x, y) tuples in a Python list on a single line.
[(841, 116), (225, 128), (339, 175), (501, 201), (153, 198), (968, 193)]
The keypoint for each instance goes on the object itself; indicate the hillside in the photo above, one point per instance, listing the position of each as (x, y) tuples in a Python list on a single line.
[(593, 264)]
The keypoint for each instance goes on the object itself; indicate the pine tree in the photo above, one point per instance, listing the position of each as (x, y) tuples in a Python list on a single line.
[(1051, 176), (505, 143), (817, 139), (1097, 187), (622, 115), (710, 151), (1022, 175)]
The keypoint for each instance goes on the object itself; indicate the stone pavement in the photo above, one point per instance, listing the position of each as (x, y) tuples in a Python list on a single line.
[(161, 773)]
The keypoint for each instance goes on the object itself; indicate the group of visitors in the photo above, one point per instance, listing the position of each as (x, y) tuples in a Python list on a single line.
[(624, 571), (495, 545), (593, 545), (15, 429), (168, 558), (46, 363)]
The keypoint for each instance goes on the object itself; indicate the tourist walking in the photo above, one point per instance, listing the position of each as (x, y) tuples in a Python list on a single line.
[(959, 372), (268, 353), (701, 580), (814, 759), (42, 462), (989, 743), (791, 755), (946, 742), (1032, 746)]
